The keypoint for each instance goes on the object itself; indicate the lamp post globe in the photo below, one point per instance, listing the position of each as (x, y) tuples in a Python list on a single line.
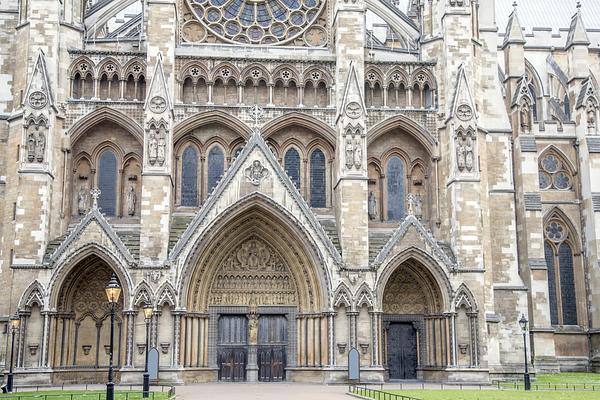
[(148, 311), (526, 378), (113, 292), (15, 321)]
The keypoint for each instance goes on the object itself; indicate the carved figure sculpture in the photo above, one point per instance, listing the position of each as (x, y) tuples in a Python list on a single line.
[(162, 144), (372, 206), (152, 147), (349, 153), (357, 153), (591, 115), (468, 145), (131, 200), (525, 116), (31, 147), (40, 146), (410, 199), (418, 206), (460, 154), (82, 201)]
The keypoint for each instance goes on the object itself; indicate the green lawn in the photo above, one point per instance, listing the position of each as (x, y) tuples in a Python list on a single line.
[(496, 395), (569, 377), (81, 395)]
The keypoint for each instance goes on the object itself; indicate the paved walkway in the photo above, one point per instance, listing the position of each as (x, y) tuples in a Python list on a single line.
[(261, 391)]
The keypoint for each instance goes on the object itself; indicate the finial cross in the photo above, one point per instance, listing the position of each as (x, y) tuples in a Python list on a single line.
[(95, 193), (257, 114)]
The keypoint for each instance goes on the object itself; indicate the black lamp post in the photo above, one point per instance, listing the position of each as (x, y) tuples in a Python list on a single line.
[(147, 319), (523, 322), (113, 291), (14, 325)]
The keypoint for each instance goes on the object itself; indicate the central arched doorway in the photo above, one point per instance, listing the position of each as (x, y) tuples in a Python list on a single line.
[(256, 297), (415, 330)]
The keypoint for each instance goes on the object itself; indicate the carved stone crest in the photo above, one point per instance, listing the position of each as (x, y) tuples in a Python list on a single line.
[(256, 172), (464, 112), (38, 100), (353, 110), (158, 104)]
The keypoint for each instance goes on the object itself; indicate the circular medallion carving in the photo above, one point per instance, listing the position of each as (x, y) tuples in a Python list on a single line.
[(353, 110), (316, 36), (193, 31), (38, 100), (464, 112), (260, 21), (158, 104)]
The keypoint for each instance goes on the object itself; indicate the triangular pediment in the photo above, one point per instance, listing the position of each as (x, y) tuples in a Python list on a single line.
[(353, 104), (256, 173), (158, 100), (463, 106), (39, 92), (412, 234), (522, 92), (588, 90), (93, 229)]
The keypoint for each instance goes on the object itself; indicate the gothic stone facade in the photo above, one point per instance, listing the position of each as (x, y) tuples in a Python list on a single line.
[(286, 180)]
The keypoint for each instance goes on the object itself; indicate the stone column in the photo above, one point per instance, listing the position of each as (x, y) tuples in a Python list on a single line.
[(176, 337), (331, 338)]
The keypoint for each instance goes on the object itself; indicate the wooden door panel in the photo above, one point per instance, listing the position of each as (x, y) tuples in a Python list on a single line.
[(402, 351), (232, 348)]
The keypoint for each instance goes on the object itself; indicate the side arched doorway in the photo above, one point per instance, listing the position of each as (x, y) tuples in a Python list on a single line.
[(415, 329), (81, 332), (255, 301)]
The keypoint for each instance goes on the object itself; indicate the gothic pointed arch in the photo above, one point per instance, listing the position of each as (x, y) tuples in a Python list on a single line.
[(298, 119), (84, 124), (166, 295), (556, 171), (208, 117), (34, 294), (343, 296), (143, 294), (464, 298), (407, 125), (364, 297)]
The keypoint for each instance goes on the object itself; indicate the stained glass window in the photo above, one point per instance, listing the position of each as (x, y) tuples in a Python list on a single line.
[(549, 253), (553, 173), (107, 182), (395, 189), (292, 165), (189, 177), (567, 285), (317, 179), (257, 21), (216, 166)]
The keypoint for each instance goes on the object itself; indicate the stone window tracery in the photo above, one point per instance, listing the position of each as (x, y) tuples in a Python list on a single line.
[(560, 262), (107, 182), (395, 189), (553, 173), (318, 178), (216, 167), (189, 177), (292, 166), (257, 21)]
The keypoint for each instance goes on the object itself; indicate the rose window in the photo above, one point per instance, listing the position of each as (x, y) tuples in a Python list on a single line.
[(553, 174), (257, 21)]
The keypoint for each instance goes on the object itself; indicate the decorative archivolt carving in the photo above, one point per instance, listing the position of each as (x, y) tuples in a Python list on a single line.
[(408, 293), (254, 273)]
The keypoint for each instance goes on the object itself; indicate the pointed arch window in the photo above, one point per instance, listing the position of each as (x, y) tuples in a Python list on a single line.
[(292, 166), (317, 179), (189, 177), (533, 94), (395, 188), (553, 173), (107, 182), (559, 256), (216, 166)]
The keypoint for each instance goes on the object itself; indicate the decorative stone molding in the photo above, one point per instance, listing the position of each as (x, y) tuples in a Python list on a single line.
[(528, 144), (364, 348), (107, 349), (256, 173), (33, 348), (141, 348), (164, 347), (342, 347), (86, 349), (596, 202), (593, 144), (537, 263)]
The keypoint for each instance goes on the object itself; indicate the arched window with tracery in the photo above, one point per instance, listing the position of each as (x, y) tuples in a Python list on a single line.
[(292, 165), (107, 182), (395, 188), (554, 173), (560, 263), (318, 171), (189, 177), (216, 167)]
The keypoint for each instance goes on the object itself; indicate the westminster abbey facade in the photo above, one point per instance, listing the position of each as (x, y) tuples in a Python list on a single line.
[(286, 180)]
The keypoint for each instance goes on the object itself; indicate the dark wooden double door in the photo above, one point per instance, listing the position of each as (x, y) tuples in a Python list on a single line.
[(232, 348), (402, 350)]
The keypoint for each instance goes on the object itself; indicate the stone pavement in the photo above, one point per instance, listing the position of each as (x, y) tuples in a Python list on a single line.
[(261, 391)]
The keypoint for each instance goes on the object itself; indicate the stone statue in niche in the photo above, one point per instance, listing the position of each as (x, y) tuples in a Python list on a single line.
[(161, 146), (525, 117), (253, 328), (410, 200), (40, 146), (357, 153), (460, 154), (591, 110), (418, 206), (349, 152), (464, 153), (152, 147), (372, 206), (31, 147), (82, 202), (131, 200), (469, 154)]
